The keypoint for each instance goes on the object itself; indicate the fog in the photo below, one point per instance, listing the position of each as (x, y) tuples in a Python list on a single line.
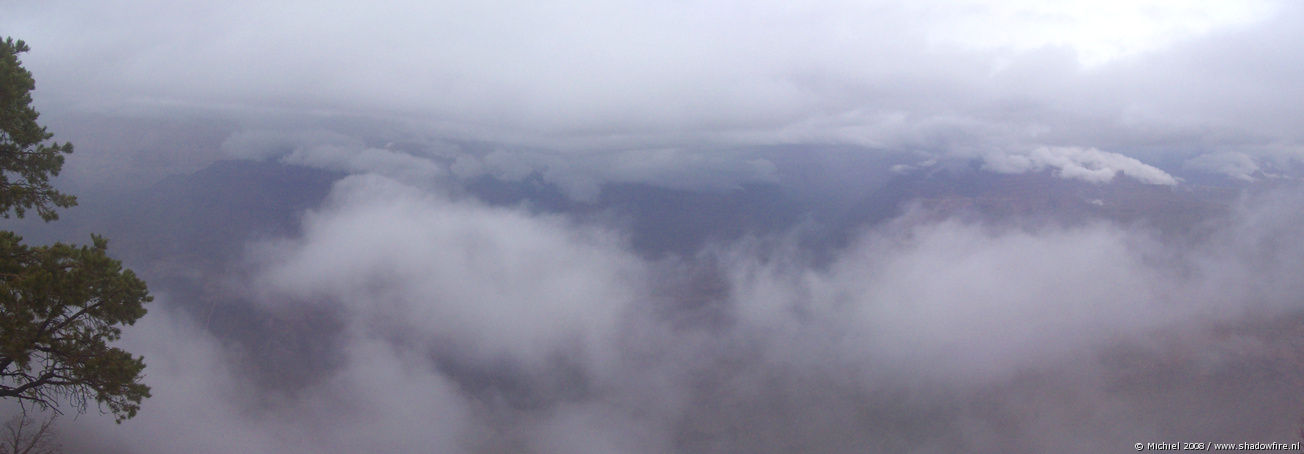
[(700, 228), (473, 328), (1158, 80)]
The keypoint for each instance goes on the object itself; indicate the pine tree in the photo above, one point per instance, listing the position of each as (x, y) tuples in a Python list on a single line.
[(61, 305)]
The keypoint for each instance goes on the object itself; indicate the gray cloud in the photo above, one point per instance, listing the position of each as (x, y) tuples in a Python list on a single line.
[(630, 75), (915, 337)]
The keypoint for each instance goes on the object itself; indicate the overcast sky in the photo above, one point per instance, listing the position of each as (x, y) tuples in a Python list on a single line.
[(1128, 76)]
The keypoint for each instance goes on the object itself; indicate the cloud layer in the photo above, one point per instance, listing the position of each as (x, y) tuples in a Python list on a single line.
[(491, 282), (1088, 164), (635, 75), (469, 328)]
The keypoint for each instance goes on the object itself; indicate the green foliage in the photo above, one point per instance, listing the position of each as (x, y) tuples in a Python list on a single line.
[(26, 161), (61, 306)]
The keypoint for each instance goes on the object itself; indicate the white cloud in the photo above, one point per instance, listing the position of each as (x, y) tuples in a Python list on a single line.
[(329, 150), (1003, 324), (494, 282), (203, 402), (954, 304), (1236, 165), (384, 399), (1097, 31), (930, 304), (1086, 164)]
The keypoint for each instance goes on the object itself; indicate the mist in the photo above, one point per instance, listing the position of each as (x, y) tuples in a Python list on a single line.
[(466, 327), (842, 227)]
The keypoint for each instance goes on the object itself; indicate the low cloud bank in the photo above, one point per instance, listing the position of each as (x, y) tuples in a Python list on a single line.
[(470, 328), (1086, 164)]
